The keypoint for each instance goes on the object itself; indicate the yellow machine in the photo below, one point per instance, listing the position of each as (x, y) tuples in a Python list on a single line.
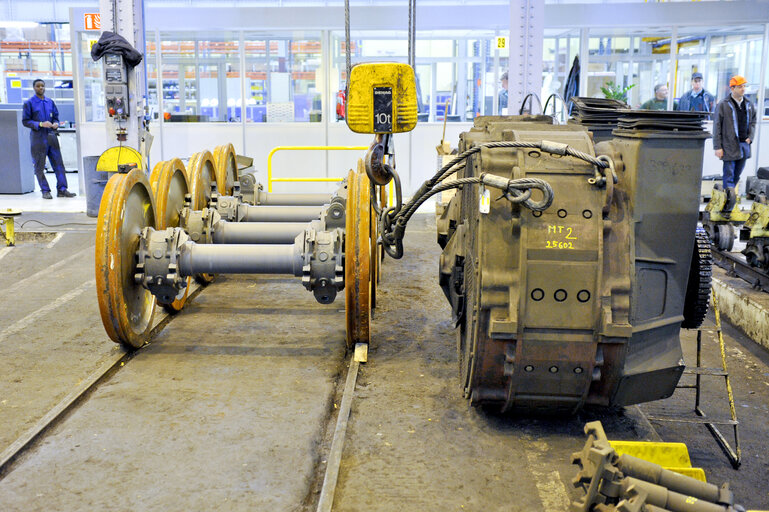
[(382, 98)]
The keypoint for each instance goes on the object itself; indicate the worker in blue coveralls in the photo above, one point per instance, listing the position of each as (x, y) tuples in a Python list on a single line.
[(42, 117)]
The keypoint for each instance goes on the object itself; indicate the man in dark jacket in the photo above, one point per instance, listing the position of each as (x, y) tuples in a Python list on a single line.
[(698, 99), (733, 128), (41, 116)]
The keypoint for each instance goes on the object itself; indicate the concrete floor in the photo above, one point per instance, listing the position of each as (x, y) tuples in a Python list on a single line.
[(232, 405)]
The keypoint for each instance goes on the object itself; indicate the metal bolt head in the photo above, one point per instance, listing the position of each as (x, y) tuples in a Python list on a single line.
[(578, 370), (529, 368), (553, 369), (323, 256), (157, 254)]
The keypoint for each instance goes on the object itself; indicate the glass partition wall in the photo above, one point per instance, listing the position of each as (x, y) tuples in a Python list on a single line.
[(457, 73)]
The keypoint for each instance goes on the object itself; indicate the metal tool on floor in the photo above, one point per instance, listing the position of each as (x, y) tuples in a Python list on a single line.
[(6, 219), (614, 482), (734, 454)]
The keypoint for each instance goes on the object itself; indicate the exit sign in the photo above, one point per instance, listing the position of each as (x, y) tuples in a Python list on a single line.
[(92, 21)]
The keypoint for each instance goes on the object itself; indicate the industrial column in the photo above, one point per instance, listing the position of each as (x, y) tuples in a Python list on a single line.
[(527, 32)]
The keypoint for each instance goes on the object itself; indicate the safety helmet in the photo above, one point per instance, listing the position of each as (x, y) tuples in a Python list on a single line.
[(737, 80)]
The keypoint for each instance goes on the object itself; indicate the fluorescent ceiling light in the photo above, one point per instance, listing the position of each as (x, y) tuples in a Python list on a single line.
[(18, 24)]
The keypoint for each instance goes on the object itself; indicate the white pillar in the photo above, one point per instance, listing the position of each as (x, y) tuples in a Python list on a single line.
[(527, 32), (584, 60), (761, 97), (673, 66)]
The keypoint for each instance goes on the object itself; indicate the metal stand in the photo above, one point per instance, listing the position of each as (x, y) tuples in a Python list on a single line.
[(733, 454)]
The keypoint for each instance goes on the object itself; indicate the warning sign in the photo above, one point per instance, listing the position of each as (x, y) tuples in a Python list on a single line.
[(92, 21)]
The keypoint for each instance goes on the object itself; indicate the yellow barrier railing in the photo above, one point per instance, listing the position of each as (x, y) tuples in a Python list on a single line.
[(271, 180)]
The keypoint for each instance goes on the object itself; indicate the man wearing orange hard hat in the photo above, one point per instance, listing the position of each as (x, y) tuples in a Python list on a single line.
[(734, 125)]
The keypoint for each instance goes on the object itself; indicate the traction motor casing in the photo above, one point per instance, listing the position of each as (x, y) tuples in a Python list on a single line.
[(582, 303)]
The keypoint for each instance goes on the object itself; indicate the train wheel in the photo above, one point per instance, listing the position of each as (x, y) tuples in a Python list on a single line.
[(725, 237), (357, 267), (201, 172), (226, 168), (170, 186), (373, 249), (126, 308), (374, 258), (753, 255)]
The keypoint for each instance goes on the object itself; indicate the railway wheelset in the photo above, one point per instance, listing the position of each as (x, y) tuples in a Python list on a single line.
[(155, 235)]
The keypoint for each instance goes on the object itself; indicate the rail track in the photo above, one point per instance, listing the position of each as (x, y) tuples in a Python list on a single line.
[(737, 266), (114, 363)]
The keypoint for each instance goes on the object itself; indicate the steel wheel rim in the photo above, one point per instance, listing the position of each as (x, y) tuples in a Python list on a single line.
[(226, 168), (357, 260), (126, 307), (170, 188), (202, 173)]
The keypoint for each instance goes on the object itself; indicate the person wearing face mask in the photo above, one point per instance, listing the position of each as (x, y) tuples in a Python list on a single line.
[(42, 118), (697, 99), (734, 126)]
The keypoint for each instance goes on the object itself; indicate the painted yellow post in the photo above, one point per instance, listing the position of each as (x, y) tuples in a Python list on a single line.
[(6, 219)]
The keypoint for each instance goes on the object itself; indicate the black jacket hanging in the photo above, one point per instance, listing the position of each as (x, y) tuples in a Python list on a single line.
[(110, 42)]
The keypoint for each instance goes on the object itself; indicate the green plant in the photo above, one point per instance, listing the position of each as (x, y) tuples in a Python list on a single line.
[(614, 91)]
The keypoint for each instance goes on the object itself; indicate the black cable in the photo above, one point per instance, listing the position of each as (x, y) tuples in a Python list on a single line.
[(21, 226)]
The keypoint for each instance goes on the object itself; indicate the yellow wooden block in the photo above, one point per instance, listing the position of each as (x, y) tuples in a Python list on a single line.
[(668, 455), (696, 473), (672, 456)]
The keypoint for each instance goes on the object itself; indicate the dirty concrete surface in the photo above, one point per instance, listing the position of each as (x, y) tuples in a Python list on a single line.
[(232, 405)]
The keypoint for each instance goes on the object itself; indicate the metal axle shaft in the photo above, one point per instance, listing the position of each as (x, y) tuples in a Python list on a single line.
[(281, 213), (257, 232), (273, 199), (239, 259)]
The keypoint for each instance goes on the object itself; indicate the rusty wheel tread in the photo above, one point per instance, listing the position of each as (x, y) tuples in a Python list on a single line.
[(358, 259), (115, 263), (226, 168), (168, 205), (201, 172)]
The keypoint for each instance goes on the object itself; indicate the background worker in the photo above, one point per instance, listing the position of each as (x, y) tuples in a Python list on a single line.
[(502, 101), (42, 117), (660, 99), (697, 99), (733, 129)]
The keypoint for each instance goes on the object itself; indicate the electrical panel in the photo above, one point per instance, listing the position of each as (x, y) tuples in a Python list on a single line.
[(116, 86)]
